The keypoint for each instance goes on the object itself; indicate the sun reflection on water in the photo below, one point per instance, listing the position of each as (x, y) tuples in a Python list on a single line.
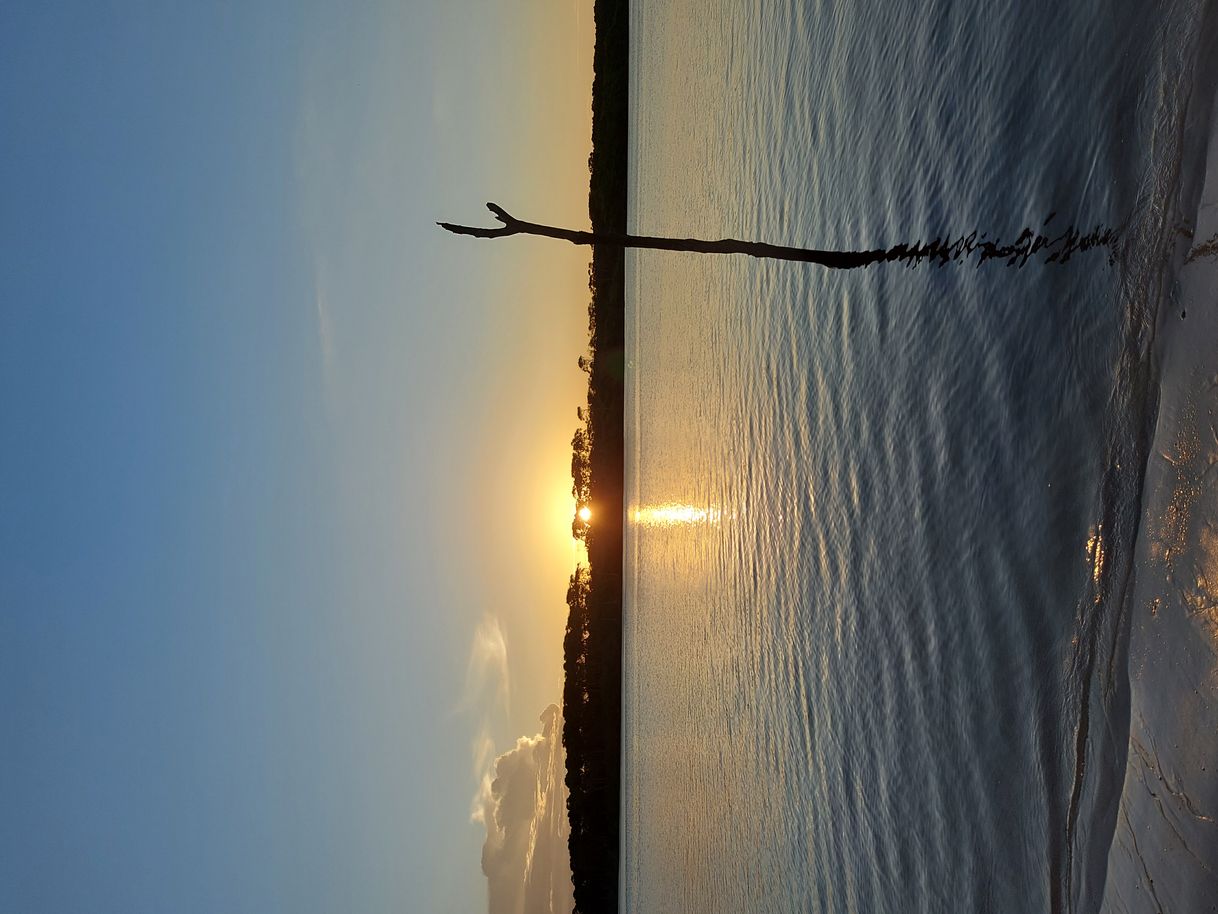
[(673, 514)]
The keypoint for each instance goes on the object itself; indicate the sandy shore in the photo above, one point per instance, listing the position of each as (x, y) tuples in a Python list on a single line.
[(1164, 855)]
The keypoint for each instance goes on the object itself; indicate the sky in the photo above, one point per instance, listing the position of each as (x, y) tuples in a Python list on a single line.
[(284, 492)]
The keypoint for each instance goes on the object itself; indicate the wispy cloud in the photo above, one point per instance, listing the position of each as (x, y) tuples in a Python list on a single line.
[(325, 332), (486, 676), (484, 751)]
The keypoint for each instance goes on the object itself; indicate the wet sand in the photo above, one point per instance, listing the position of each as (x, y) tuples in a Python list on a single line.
[(1164, 855)]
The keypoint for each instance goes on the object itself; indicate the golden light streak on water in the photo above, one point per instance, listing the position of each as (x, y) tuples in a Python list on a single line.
[(672, 515)]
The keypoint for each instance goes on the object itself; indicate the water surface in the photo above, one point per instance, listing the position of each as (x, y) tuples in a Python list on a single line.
[(880, 523)]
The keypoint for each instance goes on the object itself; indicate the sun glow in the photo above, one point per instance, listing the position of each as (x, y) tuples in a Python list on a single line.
[(585, 514)]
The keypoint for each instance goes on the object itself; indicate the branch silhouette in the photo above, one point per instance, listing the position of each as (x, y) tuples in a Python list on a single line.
[(1057, 249)]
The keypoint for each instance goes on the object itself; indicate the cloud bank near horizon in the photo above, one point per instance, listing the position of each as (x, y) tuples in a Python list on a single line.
[(523, 805)]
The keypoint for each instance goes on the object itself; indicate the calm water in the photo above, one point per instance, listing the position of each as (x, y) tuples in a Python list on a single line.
[(881, 522)]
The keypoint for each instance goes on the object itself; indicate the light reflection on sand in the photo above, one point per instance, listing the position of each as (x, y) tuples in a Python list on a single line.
[(1097, 558)]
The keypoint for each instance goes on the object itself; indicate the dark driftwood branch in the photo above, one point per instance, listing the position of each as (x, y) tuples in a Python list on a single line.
[(513, 226), (1029, 243)]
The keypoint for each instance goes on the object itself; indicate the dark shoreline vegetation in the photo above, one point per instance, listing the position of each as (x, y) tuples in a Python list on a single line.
[(592, 646)]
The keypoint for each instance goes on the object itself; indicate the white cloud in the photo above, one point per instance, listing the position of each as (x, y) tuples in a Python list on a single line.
[(522, 803), (522, 794)]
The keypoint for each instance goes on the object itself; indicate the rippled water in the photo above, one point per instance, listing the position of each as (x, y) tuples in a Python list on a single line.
[(880, 522)]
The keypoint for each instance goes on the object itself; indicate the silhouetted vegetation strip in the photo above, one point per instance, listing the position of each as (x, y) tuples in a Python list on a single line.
[(592, 646), (1030, 243)]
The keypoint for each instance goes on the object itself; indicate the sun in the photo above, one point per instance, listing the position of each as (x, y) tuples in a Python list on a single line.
[(585, 514)]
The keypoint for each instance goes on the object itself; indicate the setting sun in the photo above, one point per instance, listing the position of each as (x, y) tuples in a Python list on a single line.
[(585, 514)]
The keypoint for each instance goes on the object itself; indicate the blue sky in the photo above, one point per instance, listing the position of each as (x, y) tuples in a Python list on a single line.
[(278, 453)]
